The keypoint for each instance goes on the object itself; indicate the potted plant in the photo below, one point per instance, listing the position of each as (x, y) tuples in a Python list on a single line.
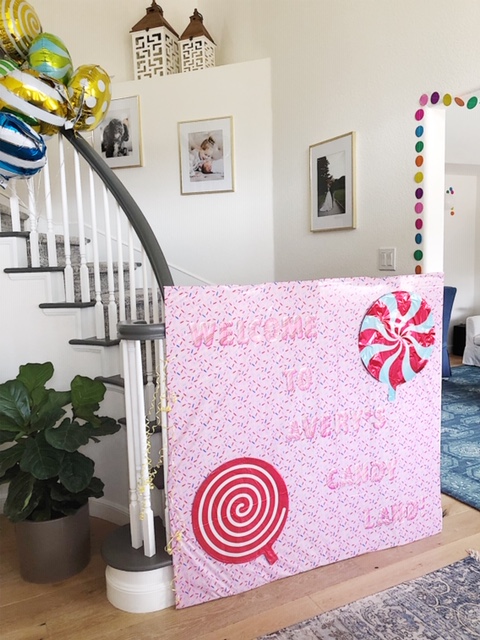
[(50, 479)]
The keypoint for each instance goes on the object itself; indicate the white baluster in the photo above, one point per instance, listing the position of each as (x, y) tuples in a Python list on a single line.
[(149, 345), (68, 273), (84, 275), (120, 274), (144, 472), (128, 349), (51, 244), (112, 305), (32, 216), (14, 206), (99, 312), (162, 370), (131, 271)]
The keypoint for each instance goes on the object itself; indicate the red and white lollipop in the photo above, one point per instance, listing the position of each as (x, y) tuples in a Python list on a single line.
[(239, 511), (396, 338)]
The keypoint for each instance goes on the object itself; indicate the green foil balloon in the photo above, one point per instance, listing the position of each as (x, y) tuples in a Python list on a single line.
[(48, 55)]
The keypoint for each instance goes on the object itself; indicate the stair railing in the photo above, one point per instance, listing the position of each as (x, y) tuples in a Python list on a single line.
[(82, 220)]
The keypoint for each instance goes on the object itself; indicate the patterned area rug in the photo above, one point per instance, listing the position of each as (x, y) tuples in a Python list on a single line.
[(461, 435), (443, 605)]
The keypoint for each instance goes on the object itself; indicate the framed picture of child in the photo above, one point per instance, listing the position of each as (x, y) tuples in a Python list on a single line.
[(332, 184), (118, 138), (206, 155)]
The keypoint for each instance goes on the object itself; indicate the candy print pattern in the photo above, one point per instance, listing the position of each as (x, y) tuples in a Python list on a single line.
[(234, 401), (396, 338), (240, 510)]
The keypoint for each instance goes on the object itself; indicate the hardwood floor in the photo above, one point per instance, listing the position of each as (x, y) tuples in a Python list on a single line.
[(78, 608), (455, 361)]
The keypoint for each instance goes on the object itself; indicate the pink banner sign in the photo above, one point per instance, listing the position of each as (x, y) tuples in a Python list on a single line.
[(304, 426)]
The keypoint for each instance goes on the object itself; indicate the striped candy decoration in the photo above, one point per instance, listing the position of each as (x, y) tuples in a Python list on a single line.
[(396, 338), (19, 25), (22, 150), (239, 511)]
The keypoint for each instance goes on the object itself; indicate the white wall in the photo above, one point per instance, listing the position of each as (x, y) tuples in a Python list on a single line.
[(462, 237), (461, 241), (336, 67), (221, 237)]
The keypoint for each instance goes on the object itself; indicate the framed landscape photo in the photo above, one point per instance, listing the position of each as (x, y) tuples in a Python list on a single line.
[(118, 137), (332, 184), (206, 155)]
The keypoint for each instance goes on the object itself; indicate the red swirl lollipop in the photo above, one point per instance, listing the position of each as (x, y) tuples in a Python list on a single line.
[(239, 510), (396, 338)]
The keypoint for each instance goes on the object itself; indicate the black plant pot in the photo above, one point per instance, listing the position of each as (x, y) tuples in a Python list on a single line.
[(53, 550)]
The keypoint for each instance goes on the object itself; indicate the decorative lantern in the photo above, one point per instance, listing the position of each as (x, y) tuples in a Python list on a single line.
[(197, 48), (155, 45)]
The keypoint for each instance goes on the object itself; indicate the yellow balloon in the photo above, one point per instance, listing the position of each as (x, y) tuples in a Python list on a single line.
[(19, 25), (89, 92), (35, 96)]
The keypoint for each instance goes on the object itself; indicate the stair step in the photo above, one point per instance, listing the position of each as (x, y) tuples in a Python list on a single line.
[(14, 234), (96, 342), (59, 249), (33, 269), (118, 553), (116, 381), (6, 218), (66, 305)]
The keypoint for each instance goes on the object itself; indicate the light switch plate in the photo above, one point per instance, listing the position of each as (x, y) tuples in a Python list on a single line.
[(387, 259)]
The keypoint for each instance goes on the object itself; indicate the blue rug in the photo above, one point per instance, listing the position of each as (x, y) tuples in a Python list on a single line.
[(443, 605), (460, 441)]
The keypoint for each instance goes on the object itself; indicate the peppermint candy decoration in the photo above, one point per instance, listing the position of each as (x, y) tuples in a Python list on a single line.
[(239, 511), (396, 338)]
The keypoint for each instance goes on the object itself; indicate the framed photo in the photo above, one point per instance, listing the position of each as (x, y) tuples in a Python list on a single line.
[(332, 184), (118, 137), (206, 155)]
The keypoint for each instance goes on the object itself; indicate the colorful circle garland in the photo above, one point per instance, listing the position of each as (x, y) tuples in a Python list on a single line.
[(434, 99)]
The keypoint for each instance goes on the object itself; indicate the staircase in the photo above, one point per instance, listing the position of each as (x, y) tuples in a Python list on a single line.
[(86, 259)]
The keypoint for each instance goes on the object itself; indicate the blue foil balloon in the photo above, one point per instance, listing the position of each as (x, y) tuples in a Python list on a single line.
[(23, 152)]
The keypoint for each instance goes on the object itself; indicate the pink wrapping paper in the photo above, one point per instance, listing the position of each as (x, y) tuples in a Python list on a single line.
[(269, 393)]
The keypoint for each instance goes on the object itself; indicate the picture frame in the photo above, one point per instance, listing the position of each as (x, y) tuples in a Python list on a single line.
[(206, 155), (118, 137), (332, 184)]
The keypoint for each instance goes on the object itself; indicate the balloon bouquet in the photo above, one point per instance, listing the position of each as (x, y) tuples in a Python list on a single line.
[(40, 92)]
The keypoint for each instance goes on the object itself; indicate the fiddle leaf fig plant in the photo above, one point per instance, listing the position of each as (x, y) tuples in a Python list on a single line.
[(49, 477)]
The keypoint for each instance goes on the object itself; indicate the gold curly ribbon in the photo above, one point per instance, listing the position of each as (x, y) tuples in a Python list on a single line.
[(177, 537), (161, 402)]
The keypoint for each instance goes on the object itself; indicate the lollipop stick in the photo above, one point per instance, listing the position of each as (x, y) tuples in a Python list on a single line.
[(270, 555)]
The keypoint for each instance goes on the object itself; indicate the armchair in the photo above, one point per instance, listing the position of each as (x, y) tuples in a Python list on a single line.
[(471, 355)]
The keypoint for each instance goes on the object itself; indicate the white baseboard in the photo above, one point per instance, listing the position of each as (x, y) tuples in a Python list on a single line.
[(109, 511)]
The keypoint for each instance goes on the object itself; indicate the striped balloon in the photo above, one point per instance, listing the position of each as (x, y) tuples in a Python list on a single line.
[(19, 25), (396, 338), (7, 66), (25, 92), (22, 150), (48, 55)]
